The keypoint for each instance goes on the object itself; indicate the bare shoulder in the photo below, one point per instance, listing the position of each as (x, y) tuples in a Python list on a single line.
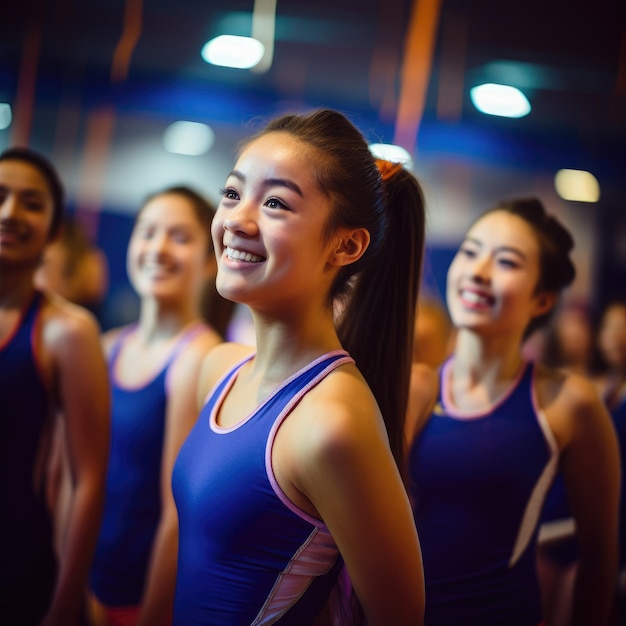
[(191, 358), (340, 413), (571, 403), (572, 392), (65, 323)]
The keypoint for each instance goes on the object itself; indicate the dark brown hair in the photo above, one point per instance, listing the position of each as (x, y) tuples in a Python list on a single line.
[(379, 291)]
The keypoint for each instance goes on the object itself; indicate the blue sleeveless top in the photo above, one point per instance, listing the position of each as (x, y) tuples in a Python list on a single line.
[(133, 488), (27, 561), (478, 481), (247, 555)]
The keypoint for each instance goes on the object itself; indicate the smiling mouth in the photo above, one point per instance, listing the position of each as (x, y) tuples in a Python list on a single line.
[(478, 299), (241, 255)]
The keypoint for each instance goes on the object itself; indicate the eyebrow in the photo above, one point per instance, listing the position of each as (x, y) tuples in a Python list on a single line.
[(509, 249), (28, 191), (271, 182)]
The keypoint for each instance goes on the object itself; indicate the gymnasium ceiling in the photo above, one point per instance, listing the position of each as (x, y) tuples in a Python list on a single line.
[(144, 56)]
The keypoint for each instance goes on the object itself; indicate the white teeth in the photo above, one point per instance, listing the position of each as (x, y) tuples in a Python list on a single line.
[(474, 298), (240, 255)]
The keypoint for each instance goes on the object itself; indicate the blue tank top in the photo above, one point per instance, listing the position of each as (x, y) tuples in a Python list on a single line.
[(133, 488), (26, 411), (478, 481), (247, 555)]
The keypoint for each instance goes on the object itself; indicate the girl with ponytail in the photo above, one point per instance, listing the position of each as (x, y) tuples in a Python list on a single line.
[(292, 471)]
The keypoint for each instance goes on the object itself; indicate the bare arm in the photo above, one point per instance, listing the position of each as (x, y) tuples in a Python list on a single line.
[(81, 383), (347, 471), (590, 465), (182, 412)]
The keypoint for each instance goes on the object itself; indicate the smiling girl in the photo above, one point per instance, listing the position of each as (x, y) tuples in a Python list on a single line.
[(50, 363), (291, 470), (485, 448), (153, 365)]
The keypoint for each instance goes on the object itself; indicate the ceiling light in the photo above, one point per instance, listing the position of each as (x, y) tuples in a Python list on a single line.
[(191, 138), (502, 100), (233, 51), (577, 185), (5, 115), (393, 153)]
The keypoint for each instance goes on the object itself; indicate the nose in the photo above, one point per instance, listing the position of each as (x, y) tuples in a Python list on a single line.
[(242, 219), (481, 269), (8, 207), (159, 243)]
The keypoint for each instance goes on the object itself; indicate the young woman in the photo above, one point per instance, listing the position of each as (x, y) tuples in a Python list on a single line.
[(485, 449), (289, 471), (51, 364), (153, 367)]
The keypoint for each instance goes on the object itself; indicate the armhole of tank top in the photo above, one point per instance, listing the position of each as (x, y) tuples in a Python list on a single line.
[(269, 470), (116, 347)]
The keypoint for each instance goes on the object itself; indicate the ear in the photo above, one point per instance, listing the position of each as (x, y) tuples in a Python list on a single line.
[(545, 302), (350, 245)]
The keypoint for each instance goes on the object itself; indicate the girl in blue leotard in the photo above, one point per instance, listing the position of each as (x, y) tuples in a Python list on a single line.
[(289, 472), (153, 367), (485, 448), (51, 364)]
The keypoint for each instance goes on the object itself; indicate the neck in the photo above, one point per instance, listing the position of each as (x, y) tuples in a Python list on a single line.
[(285, 345), (16, 287), (488, 361), (159, 321)]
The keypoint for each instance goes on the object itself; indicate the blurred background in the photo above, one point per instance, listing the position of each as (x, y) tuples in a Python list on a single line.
[(105, 87)]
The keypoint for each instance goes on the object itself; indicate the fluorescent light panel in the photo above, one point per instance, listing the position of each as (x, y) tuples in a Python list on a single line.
[(501, 100), (577, 185), (190, 138), (233, 51)]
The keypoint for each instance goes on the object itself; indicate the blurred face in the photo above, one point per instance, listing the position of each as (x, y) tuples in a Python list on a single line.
[(268, 230), (26, 209), (492, 278), (612, 336), (167, 255), (53, 273)]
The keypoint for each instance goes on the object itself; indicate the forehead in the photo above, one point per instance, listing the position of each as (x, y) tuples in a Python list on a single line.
[(23, 176), (279, 155), (170, 210), (504, 229)]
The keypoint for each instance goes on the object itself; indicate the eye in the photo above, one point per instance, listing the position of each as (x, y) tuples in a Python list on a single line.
[(508, 263), (467, 251), (275, 203), (180, 236), (229, 193)]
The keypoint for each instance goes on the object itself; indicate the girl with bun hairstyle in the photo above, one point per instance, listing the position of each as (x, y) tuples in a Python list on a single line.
[(487, 443)]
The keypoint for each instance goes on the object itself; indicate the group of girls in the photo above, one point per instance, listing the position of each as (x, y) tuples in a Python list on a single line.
[(302, 480)]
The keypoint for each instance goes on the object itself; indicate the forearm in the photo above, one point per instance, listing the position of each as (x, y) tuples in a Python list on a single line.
[(78, 547), (158, 600), (594, 589)]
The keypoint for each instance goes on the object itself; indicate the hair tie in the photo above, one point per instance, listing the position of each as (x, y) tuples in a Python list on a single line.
[(388, 169)]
